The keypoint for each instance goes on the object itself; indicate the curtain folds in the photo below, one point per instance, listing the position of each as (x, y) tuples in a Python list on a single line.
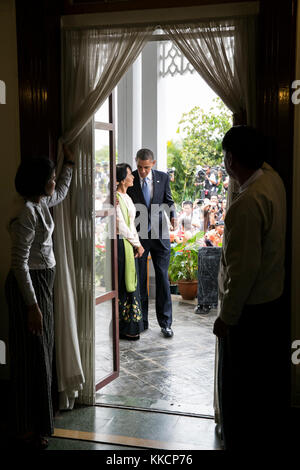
[(224, 53), (93, 63)]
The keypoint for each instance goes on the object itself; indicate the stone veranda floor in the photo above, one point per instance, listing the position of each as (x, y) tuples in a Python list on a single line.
[(170, 374), (174, 376)]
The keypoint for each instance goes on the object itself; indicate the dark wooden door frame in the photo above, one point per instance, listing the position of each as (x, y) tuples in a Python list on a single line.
[(113, 294), (38, 42)]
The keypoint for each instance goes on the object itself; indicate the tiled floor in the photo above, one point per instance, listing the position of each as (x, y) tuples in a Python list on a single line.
[(173, 374), (112, 428)]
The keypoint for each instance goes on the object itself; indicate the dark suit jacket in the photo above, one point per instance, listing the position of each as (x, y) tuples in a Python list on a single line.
[(161, 198)]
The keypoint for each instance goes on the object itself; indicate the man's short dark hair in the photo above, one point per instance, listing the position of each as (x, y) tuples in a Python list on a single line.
[(187, 203), (32, 176), (246, 145), (121, 172), (144, 154)]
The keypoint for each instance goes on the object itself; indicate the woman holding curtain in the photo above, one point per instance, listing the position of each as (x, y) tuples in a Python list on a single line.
[(28, 288), (129, 248)]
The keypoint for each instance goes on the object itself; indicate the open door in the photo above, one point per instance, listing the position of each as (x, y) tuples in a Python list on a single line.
[(105, 252)]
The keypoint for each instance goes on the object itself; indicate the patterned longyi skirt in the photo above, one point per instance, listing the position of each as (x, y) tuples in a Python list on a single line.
[(31, 357)]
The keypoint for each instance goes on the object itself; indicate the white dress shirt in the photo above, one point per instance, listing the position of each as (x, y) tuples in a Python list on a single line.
[(250, 180), (149, 182), (252, 262)]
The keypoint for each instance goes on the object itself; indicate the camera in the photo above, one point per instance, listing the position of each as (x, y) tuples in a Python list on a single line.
[(222, 169), (200, 173), (171, 173)]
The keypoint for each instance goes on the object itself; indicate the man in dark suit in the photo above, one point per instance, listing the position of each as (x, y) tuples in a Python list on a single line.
[(152, 196)]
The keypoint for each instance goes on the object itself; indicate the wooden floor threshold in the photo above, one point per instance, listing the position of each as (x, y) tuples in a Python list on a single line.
[(121, 440)]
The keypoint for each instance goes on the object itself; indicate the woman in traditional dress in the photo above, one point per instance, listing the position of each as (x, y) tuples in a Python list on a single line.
[(29, 287), (129, 248)]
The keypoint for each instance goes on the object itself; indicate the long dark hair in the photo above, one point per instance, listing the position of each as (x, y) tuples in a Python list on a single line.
[(121, 172), (33, 175)]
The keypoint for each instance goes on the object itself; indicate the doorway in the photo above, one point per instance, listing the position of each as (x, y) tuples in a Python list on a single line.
[(165, 375)]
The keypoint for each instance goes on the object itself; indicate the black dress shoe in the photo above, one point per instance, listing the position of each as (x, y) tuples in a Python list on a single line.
[(202, 309), (167, 332), (206, 308)]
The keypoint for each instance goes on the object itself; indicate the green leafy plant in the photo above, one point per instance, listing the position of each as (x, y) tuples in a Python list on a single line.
[(184, 260), (200, 143)]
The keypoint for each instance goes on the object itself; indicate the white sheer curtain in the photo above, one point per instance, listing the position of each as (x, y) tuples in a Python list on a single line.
[(223, 53), (94, 61)]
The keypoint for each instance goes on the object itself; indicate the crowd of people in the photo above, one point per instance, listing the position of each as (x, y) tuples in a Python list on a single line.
[(205, 214)]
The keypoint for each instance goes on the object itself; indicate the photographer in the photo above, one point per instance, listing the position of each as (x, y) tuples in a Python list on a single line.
[(222, 211), (199, 182), (171, 173), (210, 183), (185, 219), (198, 216), (212, 211)]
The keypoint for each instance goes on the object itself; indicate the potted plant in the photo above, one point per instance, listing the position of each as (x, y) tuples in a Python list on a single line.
[(183, 267)]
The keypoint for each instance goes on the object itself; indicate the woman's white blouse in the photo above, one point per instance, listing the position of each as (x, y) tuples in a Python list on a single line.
[(123, 230)]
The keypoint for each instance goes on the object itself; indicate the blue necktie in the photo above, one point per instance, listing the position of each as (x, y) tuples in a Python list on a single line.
[(146, 192)]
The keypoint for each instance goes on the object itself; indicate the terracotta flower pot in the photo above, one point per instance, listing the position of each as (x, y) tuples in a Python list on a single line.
[(188, 289)]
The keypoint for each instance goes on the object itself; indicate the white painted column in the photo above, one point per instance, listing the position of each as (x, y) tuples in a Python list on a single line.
[(162, 113), (129, 114), (149, 97), (154, 106)]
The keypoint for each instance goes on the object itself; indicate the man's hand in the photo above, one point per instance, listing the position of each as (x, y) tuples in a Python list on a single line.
[(220, 328), (139, 252), (174, 223), (35, 320)]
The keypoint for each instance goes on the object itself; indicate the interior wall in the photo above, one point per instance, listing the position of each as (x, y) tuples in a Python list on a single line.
[(296, 231), (10, 149), (83, 7), (276, 71), (38, 41)]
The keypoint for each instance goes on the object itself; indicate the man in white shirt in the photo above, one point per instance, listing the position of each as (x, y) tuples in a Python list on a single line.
[(185, 219), (251, 282)]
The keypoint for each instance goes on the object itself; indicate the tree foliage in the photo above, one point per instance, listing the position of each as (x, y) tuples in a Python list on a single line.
[(102, 154), (201, 144)]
